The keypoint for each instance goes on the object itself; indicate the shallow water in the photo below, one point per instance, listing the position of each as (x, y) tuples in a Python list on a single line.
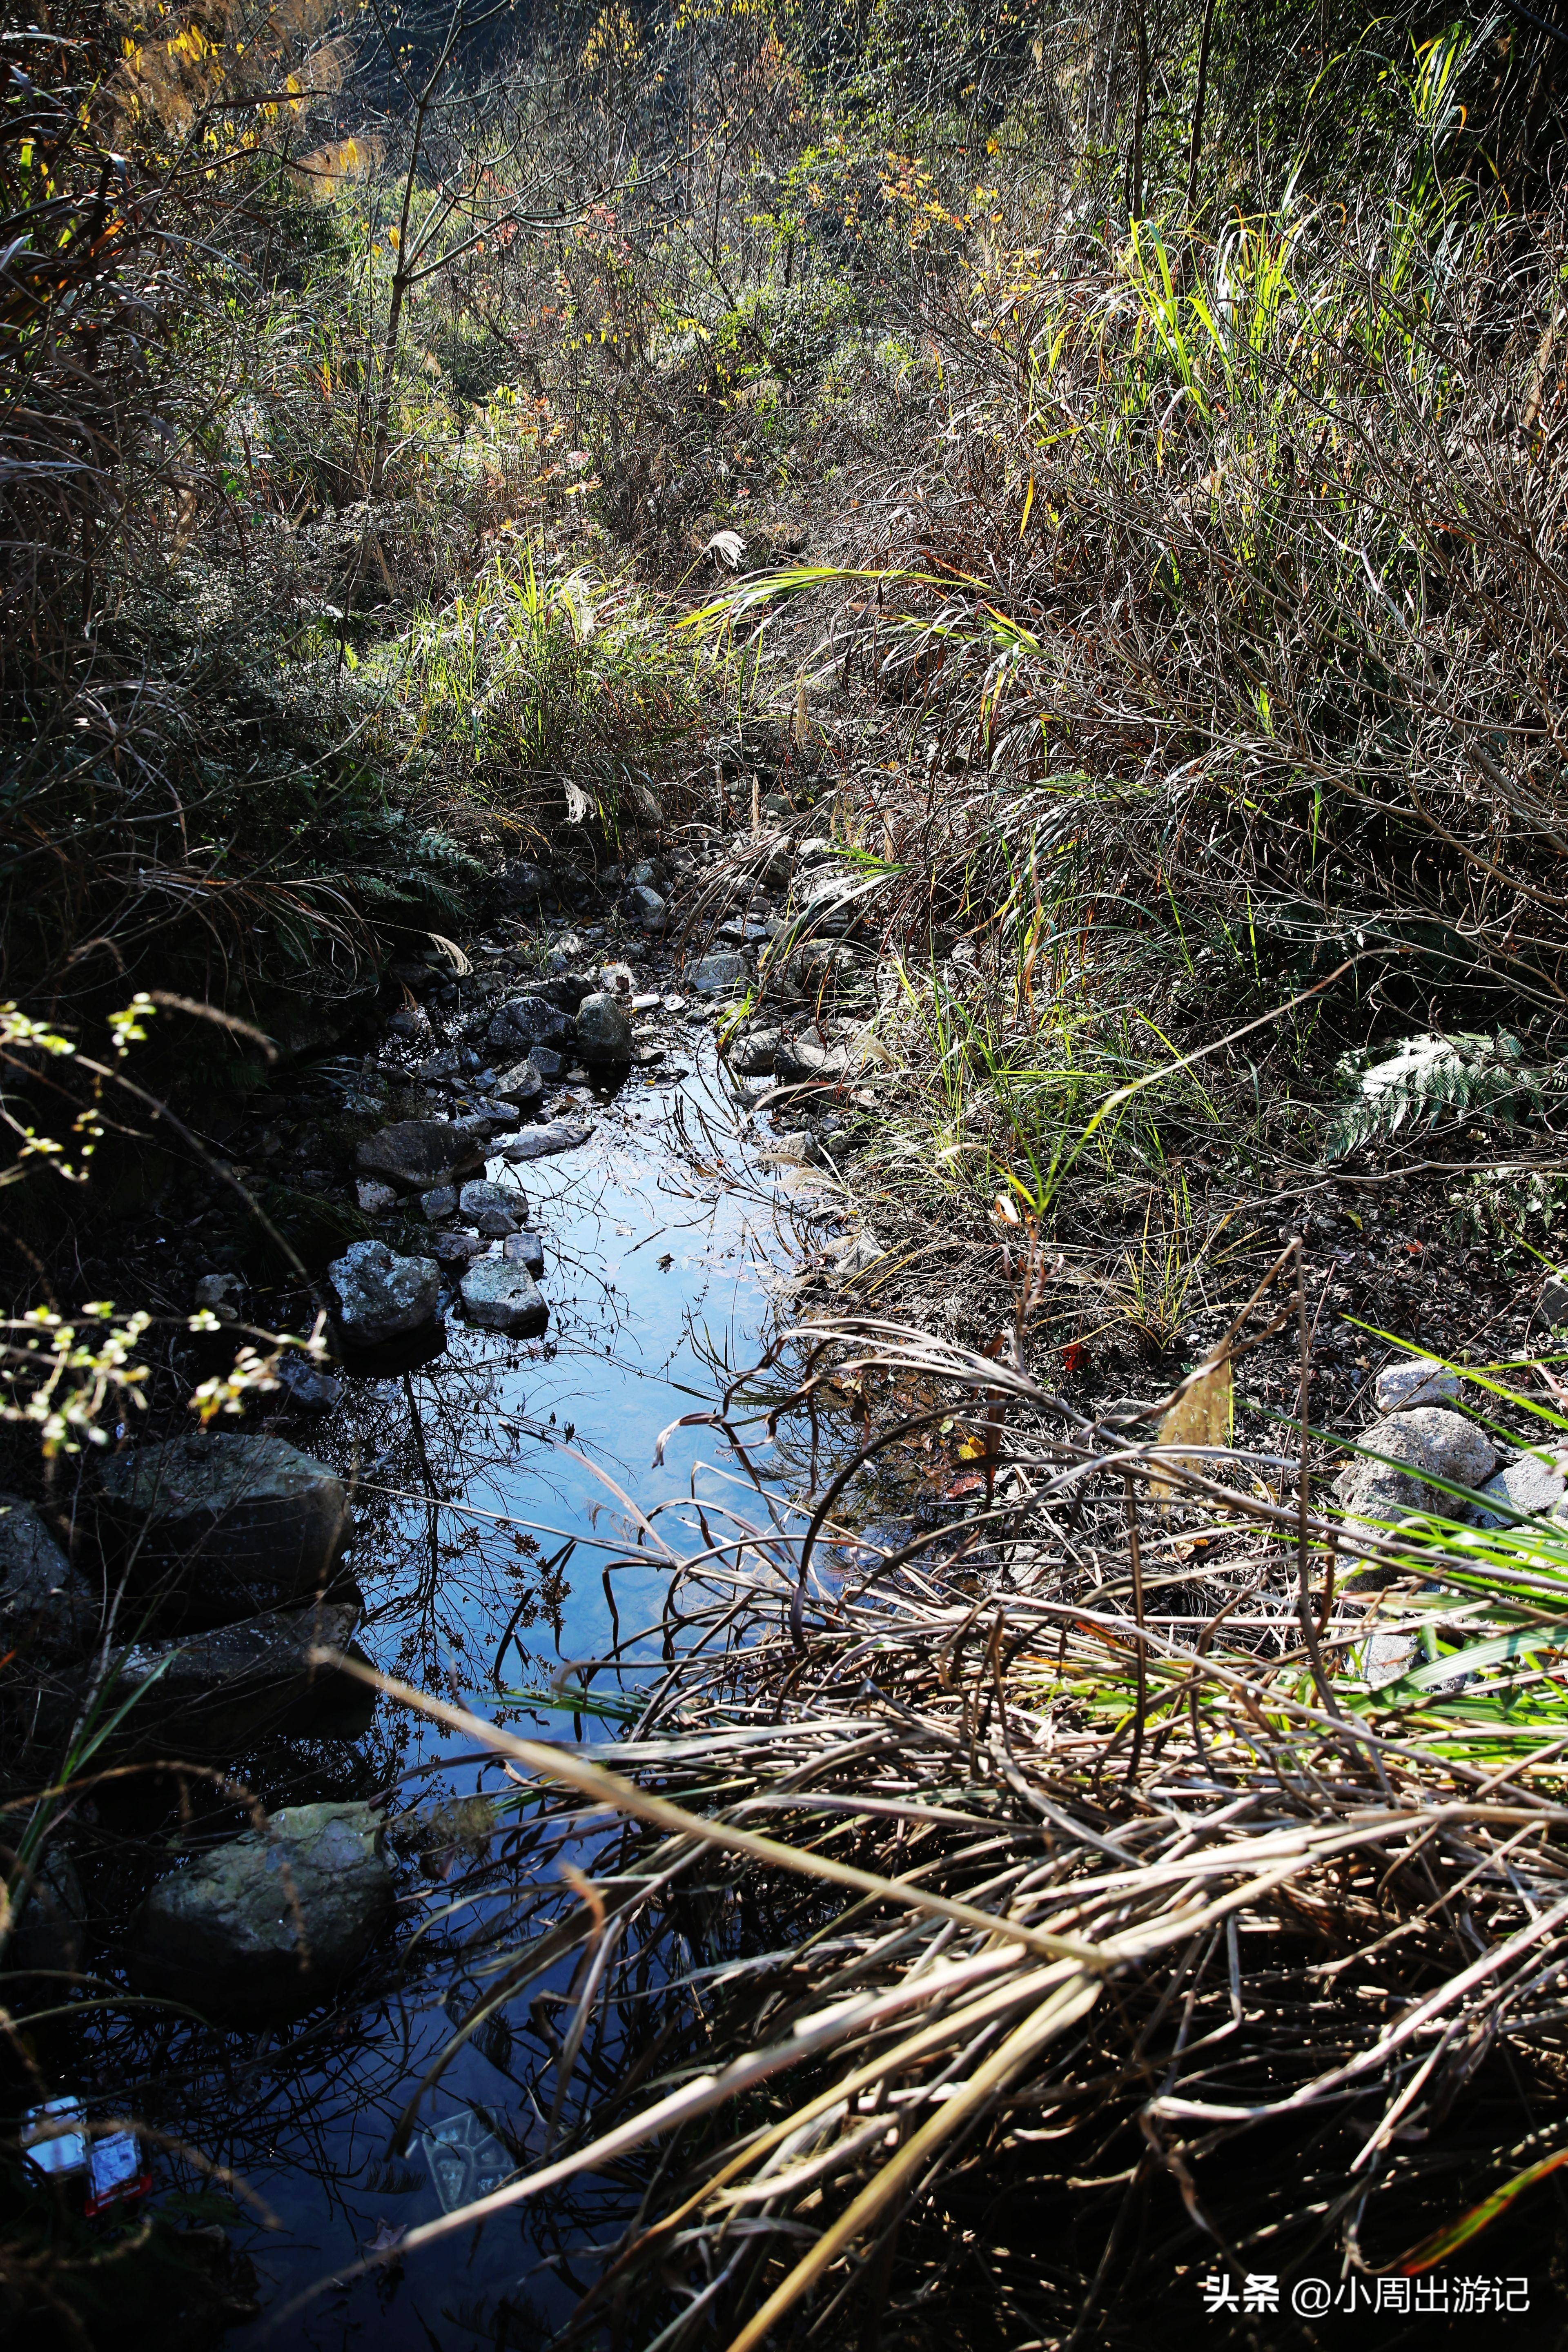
[(486, 1516)]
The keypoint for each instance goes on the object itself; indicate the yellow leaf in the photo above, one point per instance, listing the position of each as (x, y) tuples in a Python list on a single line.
[(1202, 1415)]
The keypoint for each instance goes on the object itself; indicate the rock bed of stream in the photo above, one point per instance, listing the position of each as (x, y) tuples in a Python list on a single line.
[(560, 1229)]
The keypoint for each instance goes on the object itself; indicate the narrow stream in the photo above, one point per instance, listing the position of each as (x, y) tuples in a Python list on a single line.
[(665, 1236)]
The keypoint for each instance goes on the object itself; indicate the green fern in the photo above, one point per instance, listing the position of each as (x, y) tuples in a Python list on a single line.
[(436, 848), (1466, 1071)]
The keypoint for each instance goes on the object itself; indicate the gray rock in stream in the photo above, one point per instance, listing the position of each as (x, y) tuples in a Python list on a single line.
[(717, 975), (642, 905), (492, 1209), (1421, 1444), (50, 1938), (219, 1688), (539, 1142), (270, 1923), (524, 1249), (604, 1031), (456, 1246), (529, 1021), (521, 1084), (498, 1294), (417, 1153), (224, 1524), (383, 1296), (440, 1201), (47, 1607)]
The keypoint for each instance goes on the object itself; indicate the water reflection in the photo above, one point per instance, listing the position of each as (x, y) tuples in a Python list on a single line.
[(495, 1487)]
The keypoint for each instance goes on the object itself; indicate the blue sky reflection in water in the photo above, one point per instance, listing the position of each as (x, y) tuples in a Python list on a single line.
[(659, 1236)]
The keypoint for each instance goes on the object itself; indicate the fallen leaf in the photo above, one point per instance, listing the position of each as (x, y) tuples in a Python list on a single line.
[(1202, 1415)]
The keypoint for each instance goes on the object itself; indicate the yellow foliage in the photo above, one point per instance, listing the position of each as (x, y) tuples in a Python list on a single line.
[(323, 172)]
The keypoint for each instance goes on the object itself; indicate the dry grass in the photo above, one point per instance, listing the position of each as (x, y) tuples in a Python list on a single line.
[(1059, 1858)]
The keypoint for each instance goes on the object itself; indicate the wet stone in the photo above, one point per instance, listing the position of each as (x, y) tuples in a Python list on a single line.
[(524, 1249), (754, 1052), (604, 1031), (492, 1209), (47, 1608), (417, 1153), (458, 1246), (222, 1686), (498, 1117), (717, 975), (539, 1143), (548, 1066), (383, 1296), (51, 1935), (500, 1295), (529, 1021), (270, 1922), (227, 1524), (441, 1201), (307, 1389), (521, 1084), (644, 907)]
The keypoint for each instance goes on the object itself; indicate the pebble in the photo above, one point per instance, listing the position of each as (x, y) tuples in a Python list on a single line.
[(524, 1249), (440, 1202), (374, 1198)]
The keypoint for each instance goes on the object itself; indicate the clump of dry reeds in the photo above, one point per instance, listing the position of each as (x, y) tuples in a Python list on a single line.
[(1055, 1877)]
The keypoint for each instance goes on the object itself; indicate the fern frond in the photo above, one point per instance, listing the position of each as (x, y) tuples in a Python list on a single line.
[(1466, 1071)]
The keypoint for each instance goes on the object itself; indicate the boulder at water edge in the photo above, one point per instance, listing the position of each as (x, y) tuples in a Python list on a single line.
[(1420, 1445), (604, 1031), (499, 1295), (383, 1296), (221, 1686), (529, 1021), (524, 1249), (47, 1608), (270, 1922), (221, 1525), (417, 1153)]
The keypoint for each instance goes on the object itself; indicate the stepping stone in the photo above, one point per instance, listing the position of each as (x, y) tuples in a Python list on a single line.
[(270, 1922), (539, 1142), (529, 1021), (491, 1208), (417, 1153), (47, 1607), (220, 1686), (224, 1524), (383, 1296), (524, 1249), (501, 1296), (604, 1031)]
